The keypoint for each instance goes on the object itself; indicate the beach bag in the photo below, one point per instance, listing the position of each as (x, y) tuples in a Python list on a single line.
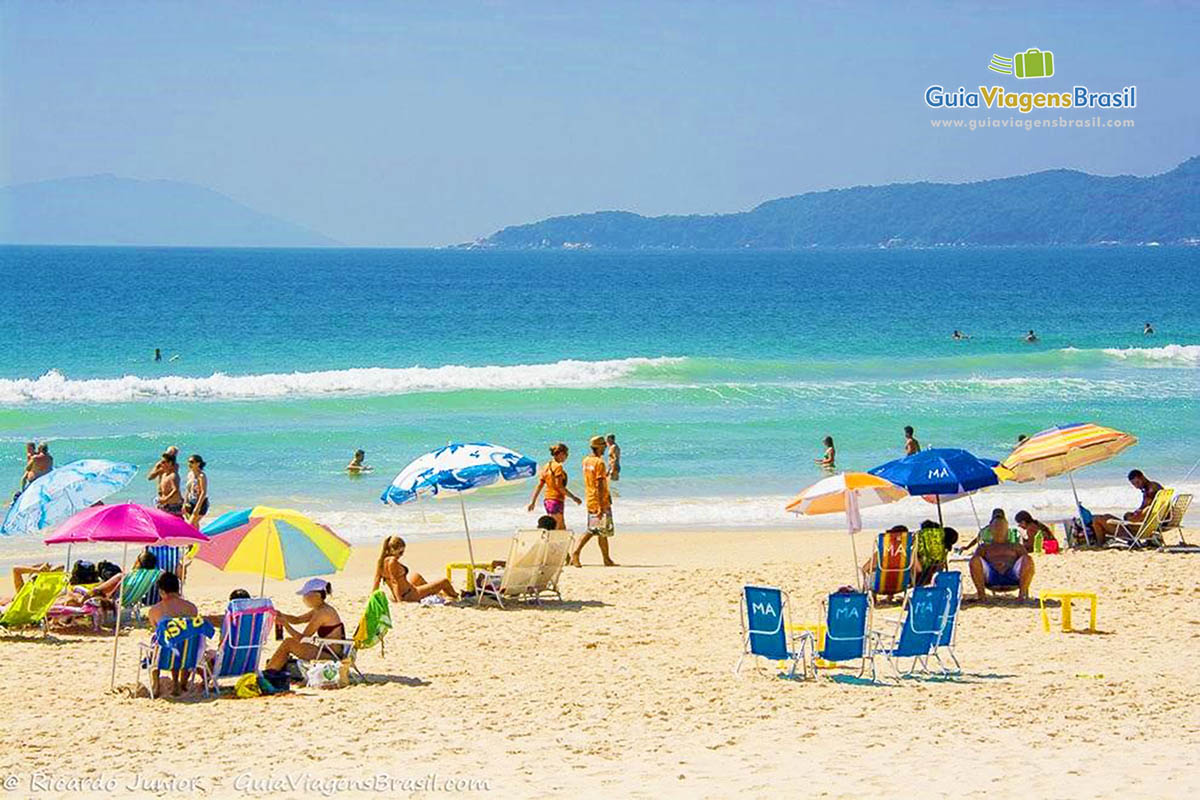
[(247, 686), (323, 675), (107, 569), (83, 573), (275, 681)]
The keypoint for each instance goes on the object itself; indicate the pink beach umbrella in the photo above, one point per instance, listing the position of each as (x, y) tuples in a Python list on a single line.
[(125, 523)]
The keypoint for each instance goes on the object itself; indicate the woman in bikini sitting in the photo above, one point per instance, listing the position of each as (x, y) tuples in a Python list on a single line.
[(406, 588), (321, 620)]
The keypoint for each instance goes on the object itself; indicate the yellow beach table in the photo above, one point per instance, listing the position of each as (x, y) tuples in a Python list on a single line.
[(278, 543), (1065, 448), (846, 493)]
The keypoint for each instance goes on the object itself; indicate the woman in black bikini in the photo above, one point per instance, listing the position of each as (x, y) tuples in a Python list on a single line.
[(321, 620), (406, 588)]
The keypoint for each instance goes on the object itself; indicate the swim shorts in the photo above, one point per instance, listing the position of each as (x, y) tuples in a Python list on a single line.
[(994, 577)]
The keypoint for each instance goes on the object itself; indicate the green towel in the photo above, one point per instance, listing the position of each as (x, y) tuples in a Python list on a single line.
[(931, 547), (376, 621), (37, 594)]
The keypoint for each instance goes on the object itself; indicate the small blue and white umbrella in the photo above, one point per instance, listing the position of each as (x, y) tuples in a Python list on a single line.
[(62, 492), (459, 468)]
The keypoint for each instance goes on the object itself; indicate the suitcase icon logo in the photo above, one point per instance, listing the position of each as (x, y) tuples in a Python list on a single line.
[(1033, 63)]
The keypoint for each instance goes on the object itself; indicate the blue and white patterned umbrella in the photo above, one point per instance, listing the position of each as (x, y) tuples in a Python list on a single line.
[(63, 491), (458, 468)]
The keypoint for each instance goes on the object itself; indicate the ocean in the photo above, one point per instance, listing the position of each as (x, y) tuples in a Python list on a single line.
[(719, 372)]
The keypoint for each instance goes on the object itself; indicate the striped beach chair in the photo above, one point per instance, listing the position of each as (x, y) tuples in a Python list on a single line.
[(893, 573), (135, 588), (170, 559), (177, 647), (244, 633)]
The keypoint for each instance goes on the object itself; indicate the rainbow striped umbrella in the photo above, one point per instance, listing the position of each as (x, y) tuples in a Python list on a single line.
[(275, 542), (1065, 448)]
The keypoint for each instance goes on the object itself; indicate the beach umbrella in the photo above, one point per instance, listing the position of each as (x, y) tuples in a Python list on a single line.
[(125, 524), (937, 499), (1065, 448), (272, 542), (846, 493), (940, 471), (63, 491), (458, 468)]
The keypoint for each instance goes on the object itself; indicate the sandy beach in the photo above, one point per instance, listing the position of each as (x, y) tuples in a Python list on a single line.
[(626, 689)]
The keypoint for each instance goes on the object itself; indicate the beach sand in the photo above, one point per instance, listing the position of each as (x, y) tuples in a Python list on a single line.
[(626, 689)]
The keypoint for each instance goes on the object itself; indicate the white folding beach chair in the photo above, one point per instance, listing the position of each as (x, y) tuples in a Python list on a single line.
[(1132, 535), (532, 569)]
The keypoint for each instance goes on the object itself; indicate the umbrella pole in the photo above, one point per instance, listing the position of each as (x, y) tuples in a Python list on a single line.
[(112, 684), (939, 505), (470, 548), (262, 584), (974, 511), (1074, 491), (854, 555)]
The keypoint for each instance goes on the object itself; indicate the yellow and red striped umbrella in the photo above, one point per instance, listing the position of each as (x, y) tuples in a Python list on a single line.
[(1065, 448)]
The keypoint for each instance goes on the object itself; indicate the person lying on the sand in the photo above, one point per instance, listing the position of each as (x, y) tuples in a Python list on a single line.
[(1001, 564), (405, 587), (1104, 525), (321, 620)]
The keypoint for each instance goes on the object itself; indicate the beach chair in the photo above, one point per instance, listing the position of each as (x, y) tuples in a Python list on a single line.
[(244, 633), (848, 635), (169, 559), (532, 569), (372, 628), (178, 644), (30, 606), (893, 573), (952, 582), (1135, 535), (919, 633), (135, 589), (1174, 520), (764, 633)]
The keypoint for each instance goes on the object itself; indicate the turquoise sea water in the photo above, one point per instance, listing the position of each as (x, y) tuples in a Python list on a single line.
[(719, 372)]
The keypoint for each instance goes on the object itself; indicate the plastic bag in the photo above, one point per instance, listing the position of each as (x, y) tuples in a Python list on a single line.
[(247, 686), (323, 675)]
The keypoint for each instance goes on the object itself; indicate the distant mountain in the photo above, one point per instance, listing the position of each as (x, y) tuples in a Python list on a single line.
[(1057, 207), (105, 209)]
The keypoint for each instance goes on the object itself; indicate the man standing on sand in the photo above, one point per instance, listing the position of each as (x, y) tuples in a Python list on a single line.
[(614, 458), (599, 502), (911, 445), (166, 471)]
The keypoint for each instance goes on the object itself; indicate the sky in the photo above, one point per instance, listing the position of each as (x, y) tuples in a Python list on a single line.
[(415, 124)]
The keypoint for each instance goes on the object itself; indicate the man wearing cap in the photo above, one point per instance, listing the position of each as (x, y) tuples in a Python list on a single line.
[(599, 502)]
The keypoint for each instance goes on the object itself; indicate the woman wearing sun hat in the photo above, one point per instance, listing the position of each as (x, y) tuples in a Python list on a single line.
[(599, 502), (321, 620)]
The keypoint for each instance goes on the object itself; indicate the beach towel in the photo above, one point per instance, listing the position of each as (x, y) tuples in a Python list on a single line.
[(375, 623), (181, 641), (893, 563)]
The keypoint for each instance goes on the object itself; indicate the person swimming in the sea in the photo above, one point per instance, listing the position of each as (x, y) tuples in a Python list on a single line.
[(356, 464), (958, 335), (1031, 337), (1148, 330)]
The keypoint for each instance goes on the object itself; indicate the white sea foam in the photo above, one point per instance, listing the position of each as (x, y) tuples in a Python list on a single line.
[(54, 387), (1167, 355)]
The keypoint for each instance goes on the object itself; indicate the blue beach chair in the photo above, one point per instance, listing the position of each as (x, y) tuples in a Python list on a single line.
[(951, 581), (918, 635), (764, 633), (244, 633), (848, 634), (169, 559), (177, 646)]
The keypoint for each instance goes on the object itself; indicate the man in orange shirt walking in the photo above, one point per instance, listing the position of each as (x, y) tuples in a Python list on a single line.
[(599, 502)]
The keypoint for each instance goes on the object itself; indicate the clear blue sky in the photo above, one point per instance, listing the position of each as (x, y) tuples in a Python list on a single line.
[(411, 123)]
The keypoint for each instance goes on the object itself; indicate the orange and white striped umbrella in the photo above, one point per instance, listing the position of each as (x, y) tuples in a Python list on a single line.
[(1064, 448), (843, 492)]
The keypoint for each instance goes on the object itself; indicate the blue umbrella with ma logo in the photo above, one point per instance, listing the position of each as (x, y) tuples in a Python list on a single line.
[(939, 471)]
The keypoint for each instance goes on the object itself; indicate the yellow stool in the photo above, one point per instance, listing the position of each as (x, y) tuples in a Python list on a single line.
[(463, 565), (1065, 598), (818, 631)]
